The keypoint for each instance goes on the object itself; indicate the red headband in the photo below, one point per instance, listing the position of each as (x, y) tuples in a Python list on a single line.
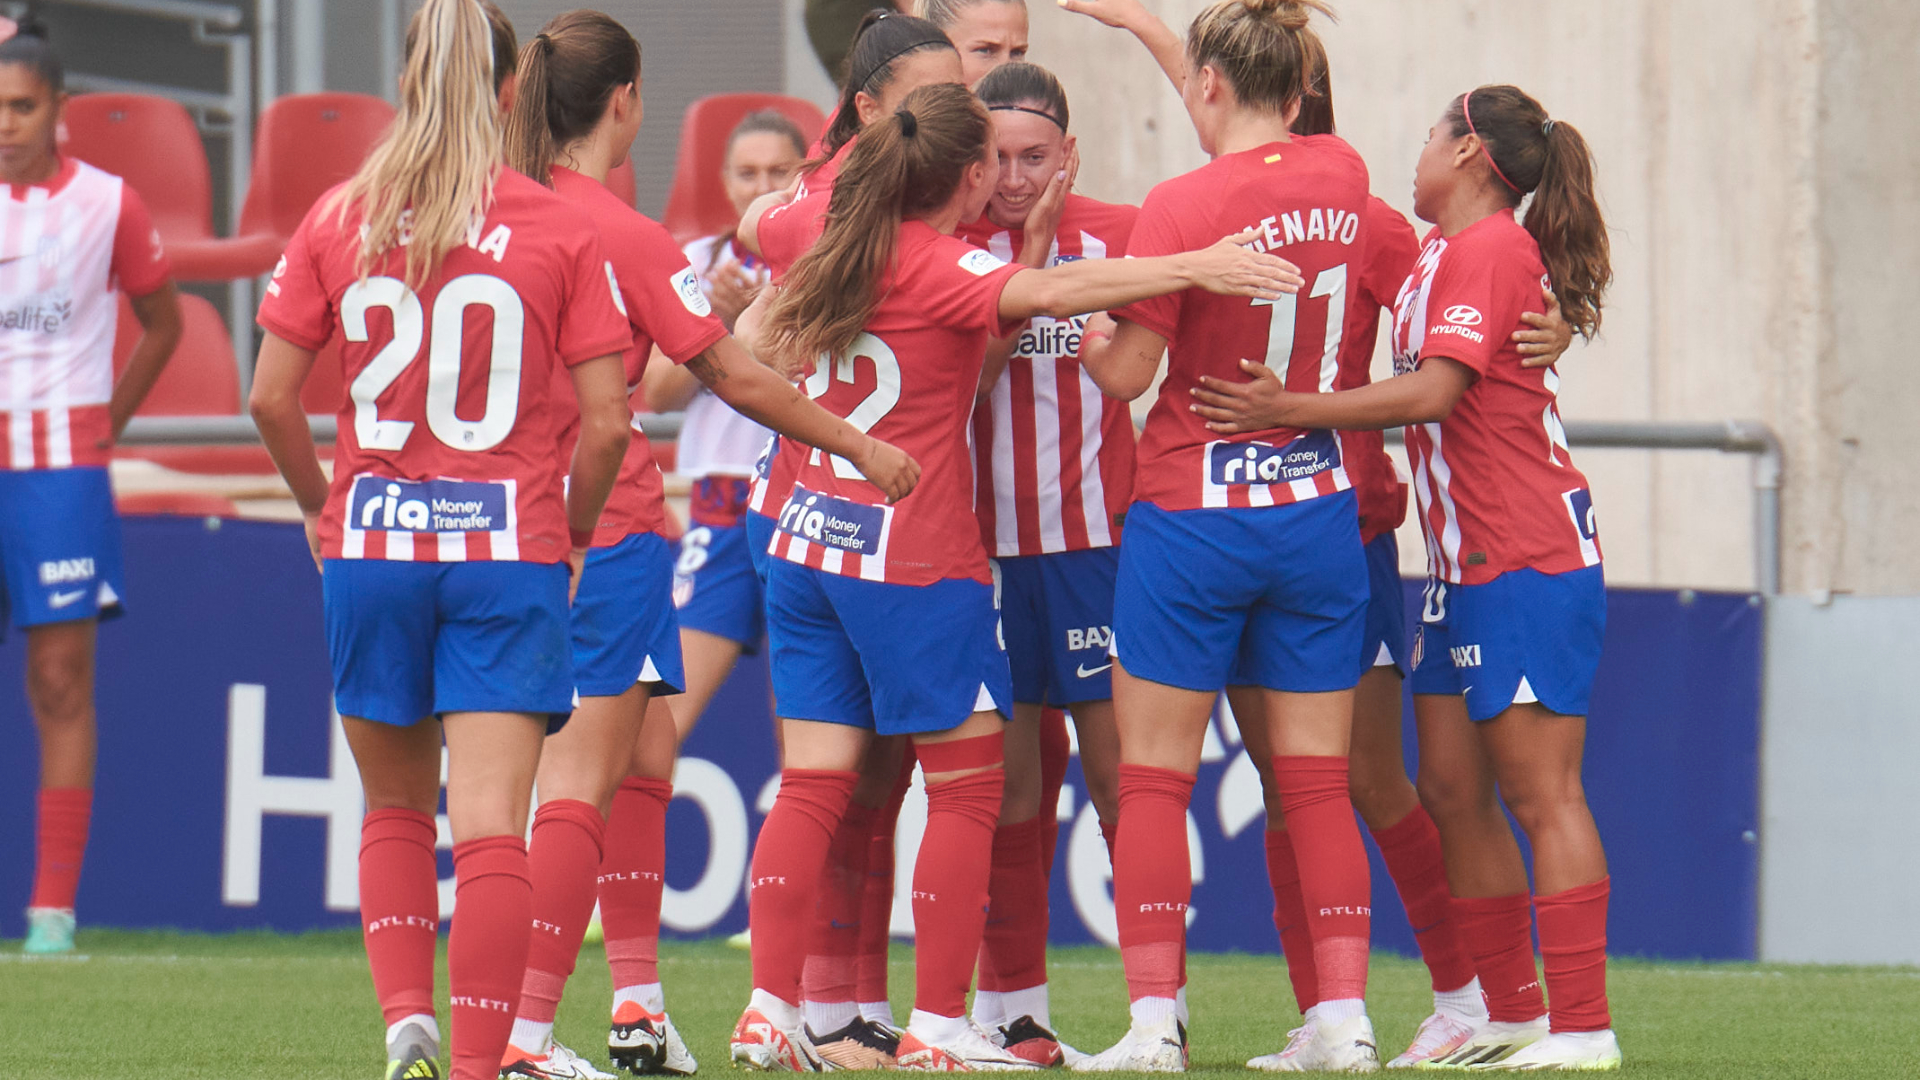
[(1466, 110)]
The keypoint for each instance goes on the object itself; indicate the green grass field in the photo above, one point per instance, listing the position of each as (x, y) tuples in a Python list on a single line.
[(260, 1007)]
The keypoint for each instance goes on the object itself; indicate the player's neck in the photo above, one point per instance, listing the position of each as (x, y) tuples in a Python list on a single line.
[(591, 156), (1468, 208), (1244, 130), (38, 171)]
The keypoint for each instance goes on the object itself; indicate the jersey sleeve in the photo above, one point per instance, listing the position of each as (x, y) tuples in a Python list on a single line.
[(665, 296), (297, 307), (1156, 232), (1471, 307), (1391, 250), (590, 322), (139, 260), (962, 290)]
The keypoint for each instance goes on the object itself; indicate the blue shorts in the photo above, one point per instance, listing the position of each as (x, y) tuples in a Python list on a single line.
[(59, 546), (1522, 637), (623, 626), (900, 659), (411, 640), (1272, 596), (1058, 614), (760, 530), (716, 587), (1386, 642)]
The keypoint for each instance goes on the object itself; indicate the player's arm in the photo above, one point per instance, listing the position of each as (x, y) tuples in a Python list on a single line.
[(606, 427), (1425, 396), (159, 316), (1120, 357), (278, 375), (1228, 268), (761, 395), (667, 386), (1132, 16)]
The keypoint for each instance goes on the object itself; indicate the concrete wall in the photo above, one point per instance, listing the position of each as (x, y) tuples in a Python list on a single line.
[(1758, 165)]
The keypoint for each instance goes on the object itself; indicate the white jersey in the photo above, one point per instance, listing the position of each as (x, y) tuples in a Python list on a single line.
[(66, 247), (715, 440)]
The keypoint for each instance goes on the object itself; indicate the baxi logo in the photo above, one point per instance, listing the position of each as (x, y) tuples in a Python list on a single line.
[(1463, 315), (423, 506), (1309, 455)]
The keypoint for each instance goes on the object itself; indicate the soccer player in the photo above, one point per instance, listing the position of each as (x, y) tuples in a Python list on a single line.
[(71, 237), (892, 56), (987, 33), (716, 593), (1243, 559), (881, 617), (1516, 604), (449, 538), (576, 113), (1054, 475)]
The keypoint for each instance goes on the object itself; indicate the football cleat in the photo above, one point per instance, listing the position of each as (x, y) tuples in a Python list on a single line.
[(1562, 1051), (49, 930), (1159, 1047), (558, 1063), (1346, 1047), (1026, 1038), (862, 1044), (972, 1051), (1490, 1044), (1439, 1035), (646, 1043), (760, 1044), (413, 1055)]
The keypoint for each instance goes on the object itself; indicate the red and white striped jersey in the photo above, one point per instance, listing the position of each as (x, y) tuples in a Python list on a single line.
[(66, 246), (1391, 248), (1053, 456), (1307, 201), (1496, 485), (447, 449)]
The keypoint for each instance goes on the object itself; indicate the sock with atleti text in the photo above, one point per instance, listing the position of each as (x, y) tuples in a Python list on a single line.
[(876, 900), (1013, 949), (829, 981), (1335, 884), (487, 950), (1154, 883), (1056, 750), (400, 909), (1573, 947), (632, 875), (1290, 918), (1411, 850), (951, 872), (564, 858), (784, 883), (60, 844), (1498, 933)]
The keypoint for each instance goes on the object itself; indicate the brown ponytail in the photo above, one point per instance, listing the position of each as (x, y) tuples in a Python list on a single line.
[(1316, 107), (567, 75), (1262, 47), (904, 166), (1529, 152), (879, 43)]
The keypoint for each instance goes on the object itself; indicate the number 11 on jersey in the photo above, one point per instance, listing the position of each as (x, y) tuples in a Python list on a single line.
[(1284, 314)]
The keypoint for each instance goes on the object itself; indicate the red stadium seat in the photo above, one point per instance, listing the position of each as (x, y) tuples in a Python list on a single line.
[(620, 181), (304, 145), (697, 206), (202, 379)]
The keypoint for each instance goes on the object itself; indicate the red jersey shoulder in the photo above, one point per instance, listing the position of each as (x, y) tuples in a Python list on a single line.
[(1392, 250), (1111, 222), (658, 290), (786, 232), (1487, 276), (950, 282)]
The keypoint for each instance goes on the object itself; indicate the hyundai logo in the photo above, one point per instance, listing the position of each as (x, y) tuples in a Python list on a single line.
[(1463, 315)]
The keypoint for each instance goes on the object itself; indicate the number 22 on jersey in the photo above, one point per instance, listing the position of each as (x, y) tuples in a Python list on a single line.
[(444, 337), (874, 407), (1284, 315)]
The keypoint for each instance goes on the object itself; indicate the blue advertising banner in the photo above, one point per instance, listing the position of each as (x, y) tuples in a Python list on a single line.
[(227, 799)]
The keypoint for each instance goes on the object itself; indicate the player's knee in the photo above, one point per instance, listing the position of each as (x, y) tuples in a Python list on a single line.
[(1546, 804), (1452, 798), (60, 688), (1377, 791)]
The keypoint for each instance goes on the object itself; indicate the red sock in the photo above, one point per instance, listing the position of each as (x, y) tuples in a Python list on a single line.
[(787, 860), (1290, 918), (950, 875), (632, 875), (487, 950), (1056, 750), (564, 858), (1498, 932), (1152, 885), (400, 909), (60, 844), (876, 898), (1013, 950), (1573, 946), (1411, 850), (1335, 882), (833, 948)]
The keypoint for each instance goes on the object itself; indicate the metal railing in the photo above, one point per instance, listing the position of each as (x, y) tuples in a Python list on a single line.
[(1749, 437)]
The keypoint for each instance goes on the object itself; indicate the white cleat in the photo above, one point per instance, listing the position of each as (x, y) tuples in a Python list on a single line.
[(679, 1059), (972, 1051), (558, 1063), (761, 1045), (1492, 1043), (1159, 1047), (1563, 1051), (1439, 1035), (1346, 1047)]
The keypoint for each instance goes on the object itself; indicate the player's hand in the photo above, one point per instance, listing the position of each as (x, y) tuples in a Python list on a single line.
[(1119, 13), (576, 565), (888, 468), (1232, 268), (1548, 337), (733, 290), (312, 523), (1260, 404), (1043, 221)]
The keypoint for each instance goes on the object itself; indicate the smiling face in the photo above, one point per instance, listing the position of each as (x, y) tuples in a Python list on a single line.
[(1030, 151), (29, 115), (988, 34), (757, 163)]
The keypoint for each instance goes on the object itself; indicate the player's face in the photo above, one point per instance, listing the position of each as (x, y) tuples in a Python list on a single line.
[(1030, 150), (629, 111), (29, 115), (1435, 173), (758, 163), (988, 34)]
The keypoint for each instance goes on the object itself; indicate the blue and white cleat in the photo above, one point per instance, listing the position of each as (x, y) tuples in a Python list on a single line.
[(49, 931)]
